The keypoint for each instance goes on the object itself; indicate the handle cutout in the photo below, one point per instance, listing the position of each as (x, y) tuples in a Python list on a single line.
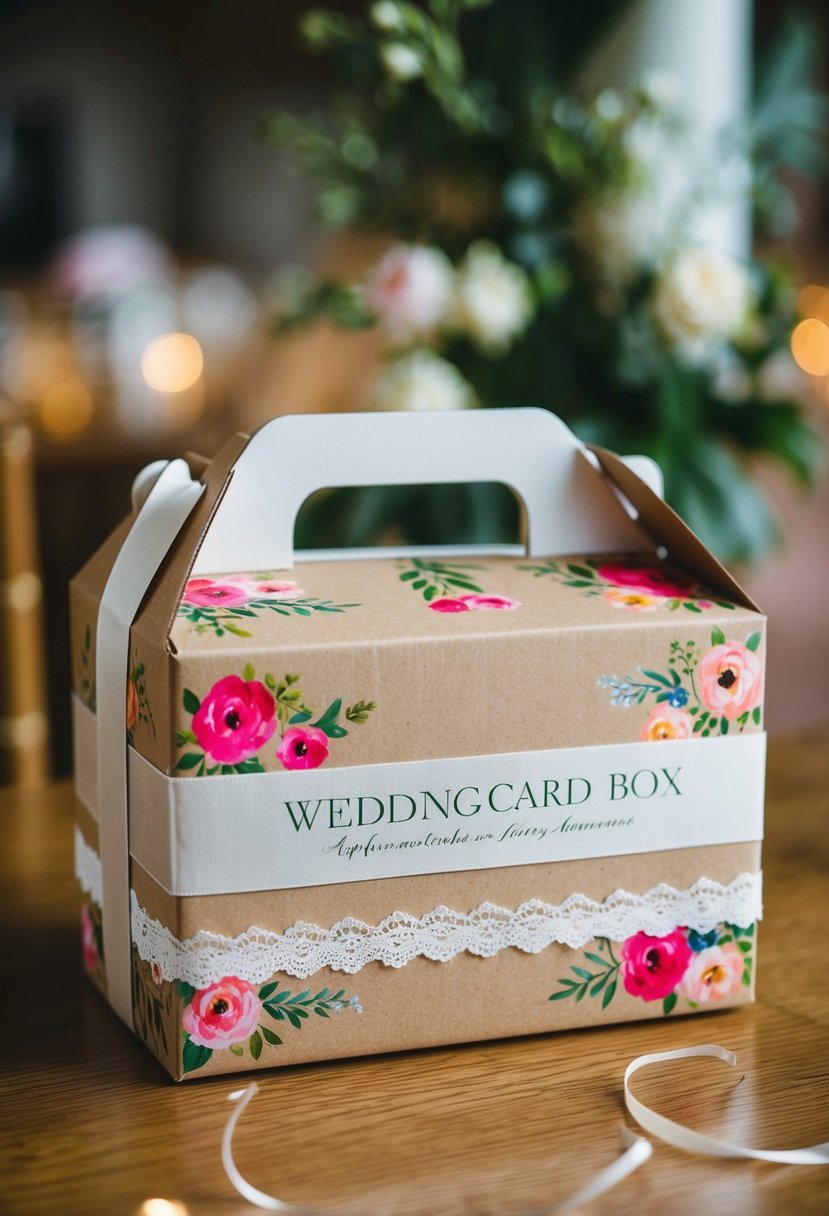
[(448, 514)]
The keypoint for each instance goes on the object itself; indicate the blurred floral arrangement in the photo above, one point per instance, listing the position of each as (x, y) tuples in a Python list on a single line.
[(542, 251)]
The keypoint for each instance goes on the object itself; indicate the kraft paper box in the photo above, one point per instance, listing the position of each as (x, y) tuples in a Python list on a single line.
[(359, 803)]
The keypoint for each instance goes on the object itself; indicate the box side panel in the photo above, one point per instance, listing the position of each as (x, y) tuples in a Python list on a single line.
[(285, 1020), (650, 678)]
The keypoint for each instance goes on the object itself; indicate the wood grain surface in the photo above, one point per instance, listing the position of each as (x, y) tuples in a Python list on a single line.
[(90, 1124)]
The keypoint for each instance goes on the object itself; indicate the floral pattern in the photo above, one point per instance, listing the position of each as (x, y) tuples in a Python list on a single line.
[(228, 1015), (698, 693), (92, 940), (450, 587), (240, 715), (635, 585), (224, 605), (684, 965), (138, 706)]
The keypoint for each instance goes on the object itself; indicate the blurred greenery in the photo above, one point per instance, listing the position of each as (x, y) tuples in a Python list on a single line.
[(454, 121)]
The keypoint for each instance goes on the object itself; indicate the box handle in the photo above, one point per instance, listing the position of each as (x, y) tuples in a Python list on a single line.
[(570, 506)]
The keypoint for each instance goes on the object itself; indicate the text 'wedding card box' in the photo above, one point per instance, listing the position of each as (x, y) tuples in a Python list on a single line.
[(363, 803)]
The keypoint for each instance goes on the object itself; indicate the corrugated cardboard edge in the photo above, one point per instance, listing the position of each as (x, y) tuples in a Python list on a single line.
[(669, 529)]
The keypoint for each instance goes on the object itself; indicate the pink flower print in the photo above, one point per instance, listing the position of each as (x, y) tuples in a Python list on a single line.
[(730, 679), (653, 966), (303, 747), (278, 589), (158, 978), (654, 580), (714, 973), (235, 719), (222, 1014), (207, 593), (666, 722), (449, 605), (88, 942), (487, 603)]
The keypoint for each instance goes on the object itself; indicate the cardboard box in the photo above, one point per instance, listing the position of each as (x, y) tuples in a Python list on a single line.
[(364, 803)]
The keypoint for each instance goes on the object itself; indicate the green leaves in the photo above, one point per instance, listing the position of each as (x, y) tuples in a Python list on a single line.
[(592, 983), (191, 702), (717, 636), (193, 1055), (754, 640), (359, 711), (434, 578)]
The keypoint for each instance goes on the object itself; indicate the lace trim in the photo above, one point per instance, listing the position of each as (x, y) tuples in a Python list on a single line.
[(349, 945), (88, 868)]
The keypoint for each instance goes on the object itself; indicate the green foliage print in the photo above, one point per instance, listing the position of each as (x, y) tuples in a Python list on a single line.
[(230, 1015), (225, 604), (631, 584), (684, 969)]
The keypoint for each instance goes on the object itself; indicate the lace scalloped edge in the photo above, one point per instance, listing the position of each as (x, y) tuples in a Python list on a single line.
[(88, 868), (439, 935)]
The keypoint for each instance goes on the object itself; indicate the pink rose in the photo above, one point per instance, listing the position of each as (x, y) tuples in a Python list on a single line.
[(714, 973), (653, 966), (303, 747), (730, 679), (235, 719), (485, 603), (410, 290), (666, 722), (222, 1014), (206, 593), (261, 588), (656, 580), (449, 605), (274, 589), (88, 942)]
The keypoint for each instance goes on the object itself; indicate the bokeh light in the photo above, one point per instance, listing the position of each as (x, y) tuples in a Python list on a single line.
[(172, 363), (65, 409), (813, 301), (162, 1207), (810, 346)]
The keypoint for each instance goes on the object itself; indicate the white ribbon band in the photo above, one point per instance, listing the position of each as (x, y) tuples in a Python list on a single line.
[(167, 506), (636, 1152), (697, 1142)]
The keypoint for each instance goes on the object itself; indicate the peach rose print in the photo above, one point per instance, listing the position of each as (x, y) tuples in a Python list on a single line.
[(714, 973), (730, 679), (697, 693)]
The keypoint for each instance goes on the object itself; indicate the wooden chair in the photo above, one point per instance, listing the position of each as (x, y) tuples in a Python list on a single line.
[(24, 725)]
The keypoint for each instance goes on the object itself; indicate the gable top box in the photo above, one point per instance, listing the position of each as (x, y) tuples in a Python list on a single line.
[(445, 795)]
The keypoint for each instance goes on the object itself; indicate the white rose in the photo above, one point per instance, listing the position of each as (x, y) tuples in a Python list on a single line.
[(617, 234), (701, 298), (422, 381), (386, 16), (410, 290), (493, 301), (401, 62)]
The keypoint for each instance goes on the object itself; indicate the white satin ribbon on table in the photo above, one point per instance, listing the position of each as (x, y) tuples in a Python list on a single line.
[(697, 1142), (637, 1150)]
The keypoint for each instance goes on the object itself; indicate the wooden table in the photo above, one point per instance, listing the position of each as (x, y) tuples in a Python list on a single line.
[(92, 1125)]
